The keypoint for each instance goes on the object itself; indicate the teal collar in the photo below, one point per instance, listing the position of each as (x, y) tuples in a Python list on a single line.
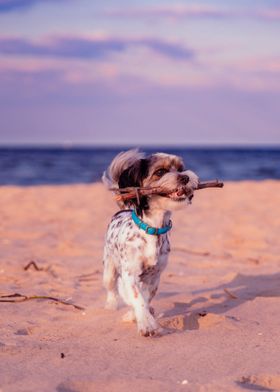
[(148, 229)]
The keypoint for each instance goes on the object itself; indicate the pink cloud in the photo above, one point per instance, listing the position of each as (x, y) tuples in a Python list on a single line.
[(43, 107), (195, 11), (269, 14), (170, 11)]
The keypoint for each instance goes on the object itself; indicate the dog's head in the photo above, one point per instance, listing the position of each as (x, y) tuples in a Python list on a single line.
[(133, 169)]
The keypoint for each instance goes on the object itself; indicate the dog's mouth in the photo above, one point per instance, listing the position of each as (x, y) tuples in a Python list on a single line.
[(181, 194)]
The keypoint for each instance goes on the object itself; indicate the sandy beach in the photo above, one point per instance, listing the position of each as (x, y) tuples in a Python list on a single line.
[(218, 300)]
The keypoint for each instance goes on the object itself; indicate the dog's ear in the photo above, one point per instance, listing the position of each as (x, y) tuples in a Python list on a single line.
[(133, 177)]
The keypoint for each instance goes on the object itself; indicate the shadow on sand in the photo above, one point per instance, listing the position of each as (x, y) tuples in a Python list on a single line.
[(241, 289)]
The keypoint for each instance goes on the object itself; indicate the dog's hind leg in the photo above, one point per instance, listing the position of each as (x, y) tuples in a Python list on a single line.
[(110, 283)]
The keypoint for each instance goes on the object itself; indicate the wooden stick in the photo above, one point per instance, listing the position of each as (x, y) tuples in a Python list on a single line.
[(22, 298), (231, 295), (34, 265), (135, 192), (210, 184)]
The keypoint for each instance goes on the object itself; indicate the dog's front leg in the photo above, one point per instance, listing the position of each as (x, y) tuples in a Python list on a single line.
[(132, 293)]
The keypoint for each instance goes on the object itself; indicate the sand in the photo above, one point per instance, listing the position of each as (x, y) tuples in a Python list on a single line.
[(219, 298)]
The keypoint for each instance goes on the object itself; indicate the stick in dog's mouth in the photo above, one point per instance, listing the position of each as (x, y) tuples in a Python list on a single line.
[(178, 193)]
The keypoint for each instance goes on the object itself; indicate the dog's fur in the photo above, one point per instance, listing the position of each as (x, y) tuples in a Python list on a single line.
[(133, 259)]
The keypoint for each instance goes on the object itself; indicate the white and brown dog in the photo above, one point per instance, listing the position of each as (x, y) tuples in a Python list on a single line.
[(137, 246)]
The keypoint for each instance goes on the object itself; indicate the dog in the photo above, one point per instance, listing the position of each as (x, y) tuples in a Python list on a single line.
[(136, 244)]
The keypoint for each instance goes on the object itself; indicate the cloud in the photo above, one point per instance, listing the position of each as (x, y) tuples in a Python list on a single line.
[(250, 74), (269, 14), (91, 48), (198, 11), (169, 49), (42, 107), (12, 5), (173, 11)]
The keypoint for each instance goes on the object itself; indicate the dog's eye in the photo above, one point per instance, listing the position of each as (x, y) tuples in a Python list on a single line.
[(180, 169), (160, 172)]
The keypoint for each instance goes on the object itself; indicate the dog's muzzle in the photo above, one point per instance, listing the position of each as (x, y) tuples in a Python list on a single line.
[(181, 194)]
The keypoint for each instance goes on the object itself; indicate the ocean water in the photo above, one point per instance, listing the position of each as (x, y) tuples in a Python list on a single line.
[(36, 166)]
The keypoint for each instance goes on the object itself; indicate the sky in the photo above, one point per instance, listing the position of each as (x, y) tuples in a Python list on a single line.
[(134, 72)]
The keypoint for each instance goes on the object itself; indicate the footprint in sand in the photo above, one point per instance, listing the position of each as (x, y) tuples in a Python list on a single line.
[(262, 382), (193, 321), (114, 385)]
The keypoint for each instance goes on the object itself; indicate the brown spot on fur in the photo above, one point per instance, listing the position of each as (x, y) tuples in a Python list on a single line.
[(153, 292), (135, 292), (131, 238), (149, 272), (145, 264)]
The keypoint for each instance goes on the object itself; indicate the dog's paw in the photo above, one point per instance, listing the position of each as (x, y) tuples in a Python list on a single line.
[(147, 326), (157, 332)]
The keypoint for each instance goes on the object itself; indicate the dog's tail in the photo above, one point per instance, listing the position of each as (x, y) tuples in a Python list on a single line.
[(120, 163)]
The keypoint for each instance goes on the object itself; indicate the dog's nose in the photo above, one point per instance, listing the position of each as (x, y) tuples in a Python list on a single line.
[(184, 179)]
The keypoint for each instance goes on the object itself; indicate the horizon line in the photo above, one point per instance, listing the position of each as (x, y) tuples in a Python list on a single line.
[(68, 146)]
